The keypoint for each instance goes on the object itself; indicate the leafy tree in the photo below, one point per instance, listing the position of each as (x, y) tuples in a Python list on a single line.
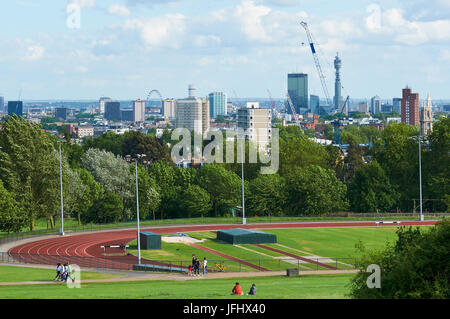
[(107, 209), (93, 192), (416, 266), (370, 190), (138, 143), (12, 219), (314, 190), (196, 201), (266, 195), (149, 198), (29, 168), (222, 185), (353, 161), (164, 176), (109, 141)]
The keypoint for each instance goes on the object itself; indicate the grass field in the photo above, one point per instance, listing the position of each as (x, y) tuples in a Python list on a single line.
[(17, 274), (279, 287)]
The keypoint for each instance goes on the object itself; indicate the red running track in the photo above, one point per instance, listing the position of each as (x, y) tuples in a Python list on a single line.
[(85, 249)]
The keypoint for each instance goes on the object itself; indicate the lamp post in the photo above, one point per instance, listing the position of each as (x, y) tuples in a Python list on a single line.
[(242, 177), (421, 217), (61, 231)]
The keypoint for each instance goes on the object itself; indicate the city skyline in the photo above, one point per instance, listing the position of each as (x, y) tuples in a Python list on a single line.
[(126, 48)]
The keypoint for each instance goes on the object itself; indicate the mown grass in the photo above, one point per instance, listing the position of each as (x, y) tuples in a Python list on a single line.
[(18, 274), (276, 287)]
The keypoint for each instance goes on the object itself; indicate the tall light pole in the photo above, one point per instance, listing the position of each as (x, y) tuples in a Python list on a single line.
[(420, 180), (61, 231), (242, 177)]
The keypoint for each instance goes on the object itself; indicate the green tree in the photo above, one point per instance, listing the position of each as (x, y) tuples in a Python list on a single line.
[(222, 185), (314, 190), (266, 195), (94, 191), (370, 190), (109, 141), (29, 168), (12, 219), (138, 143), (416, 266), (107, 209), (196, 201), (164, 176)]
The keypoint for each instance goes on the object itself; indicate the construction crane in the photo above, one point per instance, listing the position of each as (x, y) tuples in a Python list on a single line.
[(316, 61), (337, 124), (294, 114)]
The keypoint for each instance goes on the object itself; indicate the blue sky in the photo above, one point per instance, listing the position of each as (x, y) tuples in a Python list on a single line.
[(125, 48)]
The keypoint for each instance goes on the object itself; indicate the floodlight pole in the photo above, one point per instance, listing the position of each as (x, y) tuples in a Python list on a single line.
[(137, 209), (420, 180), (242, 177), (61, 232)]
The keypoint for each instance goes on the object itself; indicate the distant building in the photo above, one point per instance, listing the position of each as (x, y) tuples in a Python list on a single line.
[(410, 107), (386, 108), (426, 118), (193, 113), (257, 122), (2, 104), (15, 107), (314, 104), (138, 111), (169, 108), (101, 104), (217, 104), (375, 104), (363, 107), (396, 104), (127, 115), (80, 131), (61, 113), (298, 91), (337, 100), (112, 111)]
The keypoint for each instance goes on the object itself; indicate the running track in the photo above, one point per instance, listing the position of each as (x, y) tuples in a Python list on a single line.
[(85, 249)]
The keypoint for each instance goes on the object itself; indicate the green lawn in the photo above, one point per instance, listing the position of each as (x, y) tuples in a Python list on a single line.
[(16, 274), (278, 287)]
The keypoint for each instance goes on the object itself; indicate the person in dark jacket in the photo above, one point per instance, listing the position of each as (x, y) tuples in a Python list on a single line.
[(252, 290)]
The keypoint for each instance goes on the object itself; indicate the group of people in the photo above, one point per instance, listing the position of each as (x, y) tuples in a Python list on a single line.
[(237, 290), (194, 269), (63, 271)]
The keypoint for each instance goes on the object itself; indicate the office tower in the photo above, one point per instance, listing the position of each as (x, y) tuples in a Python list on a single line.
[(192, 113), (138, 111), (127, 115), (2, 104), (61, 113), (112, 111), (386, 108), (169, 108), (375, 104), (15, 107), (257, 123), (217, 104), (363, 107), (101, 104), (337, 100), (298, 91), (314, 104), (426, 117), (396, 104), (410, 107)]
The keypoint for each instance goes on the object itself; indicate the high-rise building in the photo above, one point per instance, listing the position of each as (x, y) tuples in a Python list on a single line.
[(298, 91), (127, 115), (15, 107), (314, 104), (337, 100), (2, 104), (138, 111), (363, 107), (169, 108), (257, 123), (426, 117), (101, 104), (375, 104), (193, 113), (217, 104), (410, 107), (112, 111), (396, 104), (61, 113)]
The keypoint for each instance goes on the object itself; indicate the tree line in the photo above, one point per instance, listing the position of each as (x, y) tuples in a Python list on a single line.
[(99, 181)]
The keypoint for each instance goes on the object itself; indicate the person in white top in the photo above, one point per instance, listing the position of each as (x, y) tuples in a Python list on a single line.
[(205, 266)]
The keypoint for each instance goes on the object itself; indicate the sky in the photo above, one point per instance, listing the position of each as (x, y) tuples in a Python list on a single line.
[(85, 49)]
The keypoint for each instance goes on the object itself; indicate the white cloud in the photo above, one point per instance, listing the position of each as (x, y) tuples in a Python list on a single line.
[(34, 53), (81, 3), (120, 10), (250, 17)]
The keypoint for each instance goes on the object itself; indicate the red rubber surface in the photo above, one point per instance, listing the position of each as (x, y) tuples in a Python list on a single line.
[(85, 249)]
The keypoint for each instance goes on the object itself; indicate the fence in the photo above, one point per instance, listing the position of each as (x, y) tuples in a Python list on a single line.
[(217, 265)]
